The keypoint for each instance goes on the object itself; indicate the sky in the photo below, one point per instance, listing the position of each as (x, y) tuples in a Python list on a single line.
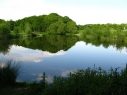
[(81, 11)]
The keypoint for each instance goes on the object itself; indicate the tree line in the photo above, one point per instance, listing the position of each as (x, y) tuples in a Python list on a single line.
[(56, 24), (37, 25), (104, 32)]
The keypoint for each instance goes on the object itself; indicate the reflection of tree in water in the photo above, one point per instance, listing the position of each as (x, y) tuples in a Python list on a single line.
[(51, 43), (54, 43), (4, 46), (104, 43)]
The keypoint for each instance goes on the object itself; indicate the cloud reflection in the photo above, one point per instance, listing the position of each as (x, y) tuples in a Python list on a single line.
[(122, 50), (66, 73), (125, 52), (2, 65), (49, 78), (25, 54)]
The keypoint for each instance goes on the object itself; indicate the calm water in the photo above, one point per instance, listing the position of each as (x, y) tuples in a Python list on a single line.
[(60, 55)]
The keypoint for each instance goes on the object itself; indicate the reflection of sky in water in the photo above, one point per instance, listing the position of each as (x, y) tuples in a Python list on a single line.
[(25, 54), (80, 56)]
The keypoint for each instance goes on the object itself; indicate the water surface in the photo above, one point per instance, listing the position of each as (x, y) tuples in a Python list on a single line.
[(60, 56)]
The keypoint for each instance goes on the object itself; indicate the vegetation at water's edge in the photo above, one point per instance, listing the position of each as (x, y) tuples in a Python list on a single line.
[(90, 82), (94, 81), (37, 26), (104, 32), (9, 71)]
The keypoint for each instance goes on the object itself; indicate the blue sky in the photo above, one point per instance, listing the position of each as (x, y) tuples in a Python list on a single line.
[(81, 11)]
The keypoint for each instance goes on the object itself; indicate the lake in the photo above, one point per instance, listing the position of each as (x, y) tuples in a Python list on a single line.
[(59, 55)]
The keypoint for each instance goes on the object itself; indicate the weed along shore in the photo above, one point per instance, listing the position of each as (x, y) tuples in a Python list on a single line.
[(88, 81)]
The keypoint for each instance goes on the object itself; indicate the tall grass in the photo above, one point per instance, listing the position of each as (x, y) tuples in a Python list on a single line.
[(9, 71), (90, 82)]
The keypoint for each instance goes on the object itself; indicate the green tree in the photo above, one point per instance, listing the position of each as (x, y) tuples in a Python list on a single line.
[(4, 30), (71, 27), (61, 27), (11, 24), (27, 28)]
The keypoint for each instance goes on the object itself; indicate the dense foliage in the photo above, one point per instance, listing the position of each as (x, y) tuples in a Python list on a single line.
[(107, 32), (90, 82), (37, 25)]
